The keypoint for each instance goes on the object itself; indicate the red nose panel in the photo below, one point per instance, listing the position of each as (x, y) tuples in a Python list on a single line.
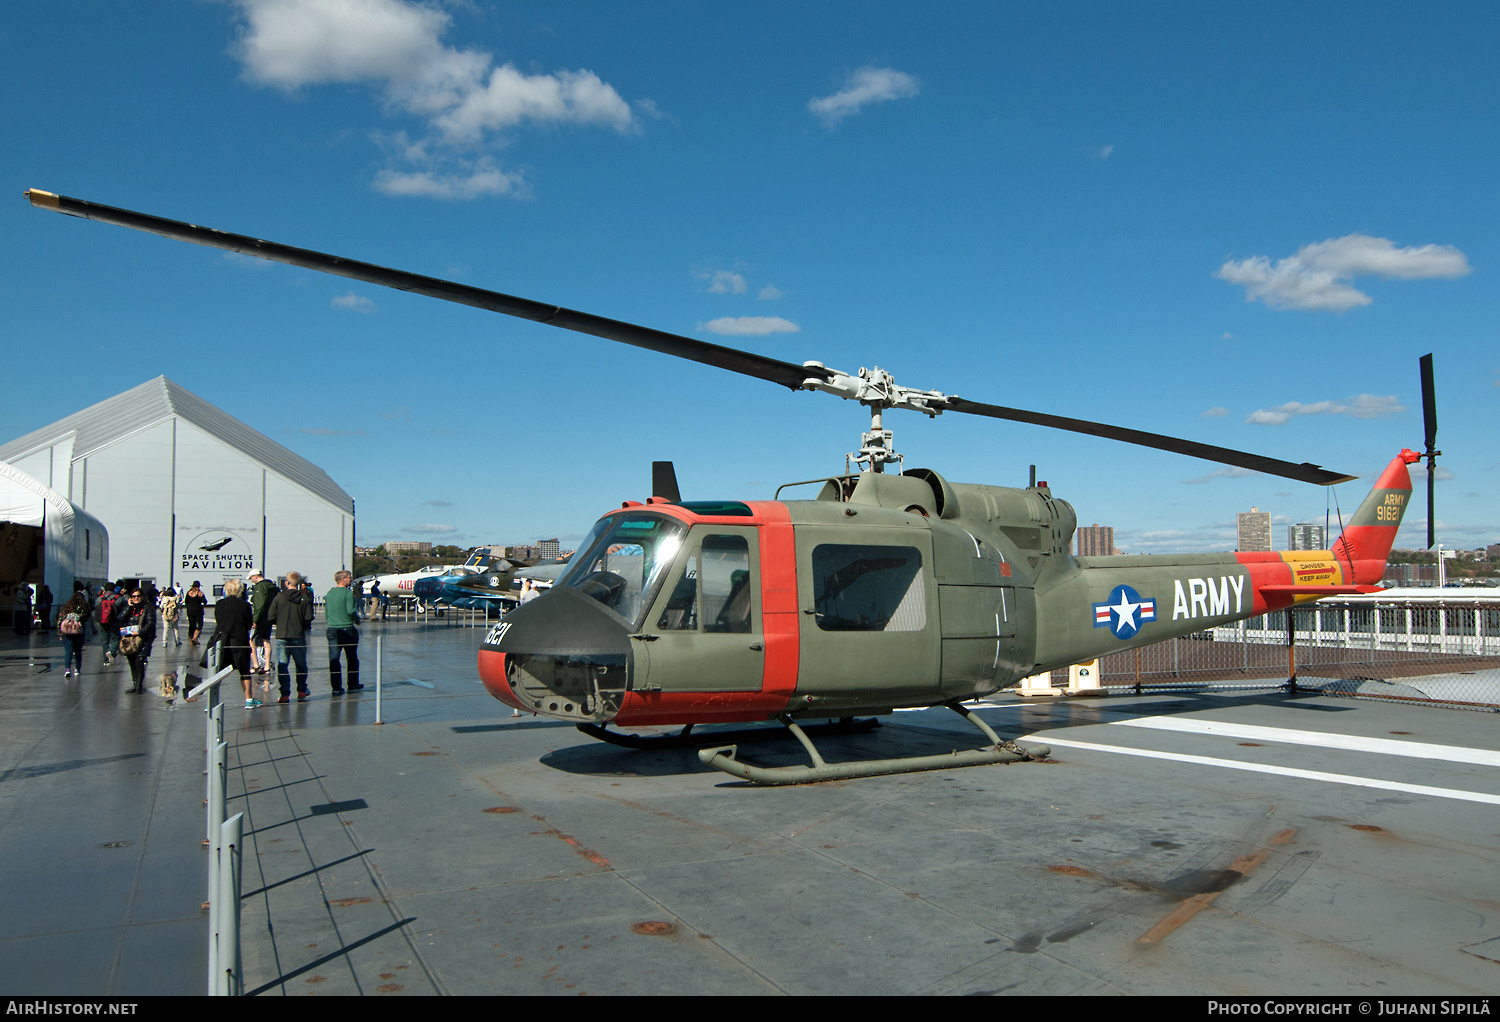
[(492, 674)]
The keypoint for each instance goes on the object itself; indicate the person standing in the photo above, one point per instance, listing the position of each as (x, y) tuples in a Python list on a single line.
[(22, 610), (261, 595), (195, 603), (44, 609), (137, 633), (112, 604), (169, 609), (339, 613), (232, 623), (291, 612), (70, 622)]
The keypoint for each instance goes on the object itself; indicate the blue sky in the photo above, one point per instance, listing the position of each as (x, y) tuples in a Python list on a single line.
[(1241, 224)]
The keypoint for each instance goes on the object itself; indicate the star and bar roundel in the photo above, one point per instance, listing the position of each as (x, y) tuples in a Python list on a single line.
[(1124, 612)]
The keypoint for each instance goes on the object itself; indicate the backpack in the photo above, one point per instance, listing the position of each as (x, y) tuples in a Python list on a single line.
[(106, 611), (71, 624)]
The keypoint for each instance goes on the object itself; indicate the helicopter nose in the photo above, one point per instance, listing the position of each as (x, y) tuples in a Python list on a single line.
[(563, 654)]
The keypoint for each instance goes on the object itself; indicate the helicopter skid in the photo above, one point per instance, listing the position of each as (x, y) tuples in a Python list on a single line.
[(1002, 751), (684, 739)]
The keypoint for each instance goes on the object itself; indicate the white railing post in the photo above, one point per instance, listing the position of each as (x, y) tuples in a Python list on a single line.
[(227, 978), (379, 664)]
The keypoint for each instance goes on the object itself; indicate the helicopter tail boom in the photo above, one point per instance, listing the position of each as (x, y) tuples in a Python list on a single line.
[(1367, 539)]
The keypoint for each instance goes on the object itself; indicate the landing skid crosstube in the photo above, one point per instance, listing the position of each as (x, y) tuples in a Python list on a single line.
[(1001, 751), (685, 739)]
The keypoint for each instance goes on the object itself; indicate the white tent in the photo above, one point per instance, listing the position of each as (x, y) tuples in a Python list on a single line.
[(75, 544)]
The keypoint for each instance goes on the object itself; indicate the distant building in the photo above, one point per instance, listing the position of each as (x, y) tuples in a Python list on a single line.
[(406, 547), (1254, 530), (1409, 576), (541, 550), (1306, 536), (1093, 540), (1493, 550)]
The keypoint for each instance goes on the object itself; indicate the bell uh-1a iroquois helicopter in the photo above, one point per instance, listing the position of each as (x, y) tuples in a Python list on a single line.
[(888, 590)]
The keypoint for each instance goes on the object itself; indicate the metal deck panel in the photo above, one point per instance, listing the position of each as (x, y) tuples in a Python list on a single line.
[(494, 854)]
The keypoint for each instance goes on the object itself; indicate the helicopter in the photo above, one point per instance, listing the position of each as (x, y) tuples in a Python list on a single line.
[(887, 590)]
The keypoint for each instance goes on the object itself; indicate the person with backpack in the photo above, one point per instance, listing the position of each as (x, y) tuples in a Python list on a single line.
[(262, 592), (112, 604), (70, 621), (169, 608)]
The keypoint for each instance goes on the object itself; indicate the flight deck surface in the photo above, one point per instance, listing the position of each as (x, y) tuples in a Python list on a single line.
[(1176, 844)]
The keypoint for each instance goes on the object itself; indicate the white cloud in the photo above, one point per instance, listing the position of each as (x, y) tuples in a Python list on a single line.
[(1102, 152), (865, 86), (1317, 276), (430, 529), (466, 184), (354, 303), (396, 46), (722, 282), (1214, 413), (770, 293), (510, 97), (1365, 406), (747, 326)]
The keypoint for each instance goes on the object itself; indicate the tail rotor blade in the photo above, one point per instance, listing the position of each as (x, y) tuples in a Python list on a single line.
[(1429, 402), (1429, 423), (664, 481)]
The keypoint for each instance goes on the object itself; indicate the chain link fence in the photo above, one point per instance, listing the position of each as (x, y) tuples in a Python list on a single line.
[(1436, 652)]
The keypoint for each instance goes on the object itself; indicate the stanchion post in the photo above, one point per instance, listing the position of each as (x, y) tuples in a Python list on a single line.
[(210, 772), (379, 663), (228, 975), (216, 786)]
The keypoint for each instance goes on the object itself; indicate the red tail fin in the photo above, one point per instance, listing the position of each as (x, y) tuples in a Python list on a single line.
[(1367, 540)]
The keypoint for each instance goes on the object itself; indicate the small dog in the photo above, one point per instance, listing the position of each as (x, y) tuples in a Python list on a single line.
[(169, 686)]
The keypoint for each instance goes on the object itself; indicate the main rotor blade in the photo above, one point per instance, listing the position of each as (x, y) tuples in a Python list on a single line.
[(1304, 472), (746, 363)]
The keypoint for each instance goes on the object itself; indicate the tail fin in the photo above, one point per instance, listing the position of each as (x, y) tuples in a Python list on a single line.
[(1367, 540)]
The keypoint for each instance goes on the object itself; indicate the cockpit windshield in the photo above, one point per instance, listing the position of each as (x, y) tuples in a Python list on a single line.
[(623, 561)]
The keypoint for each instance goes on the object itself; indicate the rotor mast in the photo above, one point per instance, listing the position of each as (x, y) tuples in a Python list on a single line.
[(877, 390)]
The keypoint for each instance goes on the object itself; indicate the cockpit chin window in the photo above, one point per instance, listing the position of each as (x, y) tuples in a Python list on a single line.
[(623, 561)]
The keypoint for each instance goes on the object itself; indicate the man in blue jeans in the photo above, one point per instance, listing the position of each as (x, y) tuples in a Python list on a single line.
[(339, 611), (291, 612)]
